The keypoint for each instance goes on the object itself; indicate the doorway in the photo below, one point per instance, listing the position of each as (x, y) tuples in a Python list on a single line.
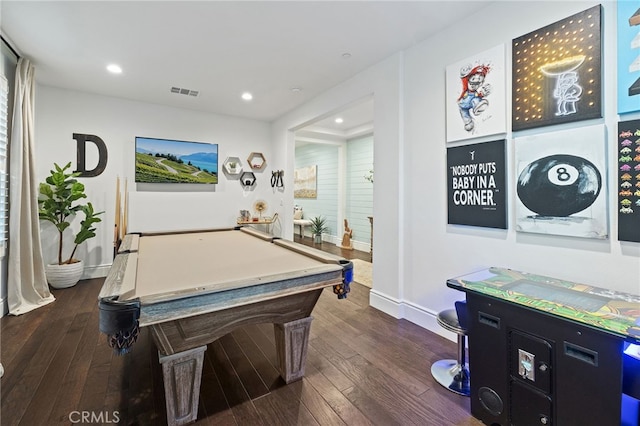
[(338, 147)]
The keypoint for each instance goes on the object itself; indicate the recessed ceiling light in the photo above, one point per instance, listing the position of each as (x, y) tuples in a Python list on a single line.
[(115, 69), (339, 120), (247, 96), (296, 89), (346, 55)]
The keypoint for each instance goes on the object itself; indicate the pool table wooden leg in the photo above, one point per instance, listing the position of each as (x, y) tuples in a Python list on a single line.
[(292, 339), (182, 373)]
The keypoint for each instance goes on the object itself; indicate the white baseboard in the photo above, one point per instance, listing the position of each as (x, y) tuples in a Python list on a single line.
[(386, 304), (95, 271), (418, 315), (426, 318), (357, 245)]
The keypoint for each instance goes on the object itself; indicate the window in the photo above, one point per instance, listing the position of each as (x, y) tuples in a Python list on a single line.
[(4, 133)]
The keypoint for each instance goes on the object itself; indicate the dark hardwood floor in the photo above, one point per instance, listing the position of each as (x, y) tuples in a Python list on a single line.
[(363, 368)]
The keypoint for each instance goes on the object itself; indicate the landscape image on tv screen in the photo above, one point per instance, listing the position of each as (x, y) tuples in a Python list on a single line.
[(173, 161)]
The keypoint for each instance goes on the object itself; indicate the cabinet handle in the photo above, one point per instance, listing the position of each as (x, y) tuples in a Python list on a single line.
[(489, 320), (583, 354)]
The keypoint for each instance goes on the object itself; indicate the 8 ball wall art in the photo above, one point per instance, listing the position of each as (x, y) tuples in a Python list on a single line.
[(557, 72), (560, 184), (476, 182)]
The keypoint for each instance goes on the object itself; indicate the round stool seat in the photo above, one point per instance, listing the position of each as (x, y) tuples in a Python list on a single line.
[(448, 319)]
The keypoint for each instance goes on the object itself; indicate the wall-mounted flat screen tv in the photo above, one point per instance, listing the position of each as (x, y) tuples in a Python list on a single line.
[(174, 161)]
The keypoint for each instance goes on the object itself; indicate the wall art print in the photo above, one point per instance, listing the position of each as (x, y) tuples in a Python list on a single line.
[(476, 185), (628, 56), (476, 96), (628, 181), (557, 72), (561, 183), (305, 182)]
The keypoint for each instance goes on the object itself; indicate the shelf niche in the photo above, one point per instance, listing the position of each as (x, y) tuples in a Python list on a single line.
[(235, 162), (256, 161), (247, 179)]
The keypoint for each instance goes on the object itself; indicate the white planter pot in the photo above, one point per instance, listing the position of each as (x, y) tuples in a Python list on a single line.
[(64, 276)]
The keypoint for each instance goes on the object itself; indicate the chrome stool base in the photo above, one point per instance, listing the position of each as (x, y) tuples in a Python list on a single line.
[(452, 376), (451, 373)]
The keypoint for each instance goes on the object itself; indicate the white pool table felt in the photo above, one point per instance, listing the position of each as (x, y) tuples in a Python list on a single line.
[(211, 261)]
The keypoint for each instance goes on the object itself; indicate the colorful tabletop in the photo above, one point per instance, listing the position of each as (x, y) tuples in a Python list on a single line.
[(610, 311)]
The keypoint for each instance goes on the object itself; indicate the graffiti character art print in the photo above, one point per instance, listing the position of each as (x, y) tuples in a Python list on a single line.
[(557, 72), (476, 96), (628, 166)]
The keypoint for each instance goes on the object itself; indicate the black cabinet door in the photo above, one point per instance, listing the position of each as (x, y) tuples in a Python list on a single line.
[(488, 362), (530, 360), (528, 406)]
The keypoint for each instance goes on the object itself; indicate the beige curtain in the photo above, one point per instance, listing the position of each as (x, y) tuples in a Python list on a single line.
[(27, 285)]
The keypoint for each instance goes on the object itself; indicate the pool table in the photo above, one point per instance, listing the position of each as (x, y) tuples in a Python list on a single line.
[(191, 288)]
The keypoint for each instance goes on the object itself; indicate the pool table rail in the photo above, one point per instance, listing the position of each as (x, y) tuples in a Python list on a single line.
[(314, 253), (115, 282), (131, 241), (162, 308)]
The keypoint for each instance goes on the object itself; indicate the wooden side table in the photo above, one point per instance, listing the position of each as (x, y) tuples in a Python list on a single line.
[(267, 221)]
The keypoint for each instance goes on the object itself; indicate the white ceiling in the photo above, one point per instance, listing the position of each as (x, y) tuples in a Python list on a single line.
[(219, 48), (357, 122)]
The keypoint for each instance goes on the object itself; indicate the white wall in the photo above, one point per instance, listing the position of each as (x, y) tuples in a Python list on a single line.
[(359, 190), (60, 113), (415, 250), (325, 158)]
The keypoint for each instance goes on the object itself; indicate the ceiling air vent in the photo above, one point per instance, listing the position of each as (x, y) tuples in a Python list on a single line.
[(182, 91)]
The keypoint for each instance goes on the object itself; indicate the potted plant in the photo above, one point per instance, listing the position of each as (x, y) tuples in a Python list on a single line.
[(58, 203), (318, 227)]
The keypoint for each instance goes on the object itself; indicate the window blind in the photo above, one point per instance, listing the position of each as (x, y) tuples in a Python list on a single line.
[(4, 142)]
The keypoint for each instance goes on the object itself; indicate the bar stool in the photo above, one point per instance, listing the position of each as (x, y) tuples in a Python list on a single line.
[(450, 373)]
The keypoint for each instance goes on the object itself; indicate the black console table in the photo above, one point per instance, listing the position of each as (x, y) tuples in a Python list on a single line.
[(551, 352)]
